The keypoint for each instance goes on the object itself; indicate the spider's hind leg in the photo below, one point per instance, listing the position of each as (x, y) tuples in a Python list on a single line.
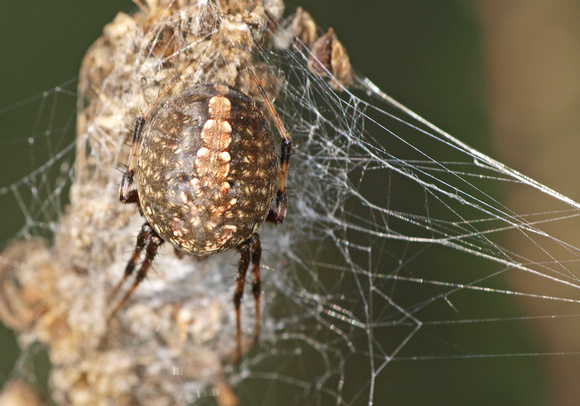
[(250, 251), (149, 240)]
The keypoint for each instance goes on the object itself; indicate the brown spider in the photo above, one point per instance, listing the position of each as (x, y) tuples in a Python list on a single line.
[(206, 172)]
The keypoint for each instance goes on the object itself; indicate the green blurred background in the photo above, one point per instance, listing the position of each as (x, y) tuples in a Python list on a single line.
[(427, 54)]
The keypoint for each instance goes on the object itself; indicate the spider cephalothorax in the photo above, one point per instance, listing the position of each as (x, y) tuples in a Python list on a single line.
[(206, 173)]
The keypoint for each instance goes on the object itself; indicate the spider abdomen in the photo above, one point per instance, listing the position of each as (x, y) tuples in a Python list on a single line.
[(208, 169)]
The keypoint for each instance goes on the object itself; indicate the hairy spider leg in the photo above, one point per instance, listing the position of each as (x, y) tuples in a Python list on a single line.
[(126, 194), (251, 249), (256, 248), (142, 240), (277, 215), (150, 241)]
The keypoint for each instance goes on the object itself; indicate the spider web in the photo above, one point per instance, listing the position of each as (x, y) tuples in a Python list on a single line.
[(394, 269)]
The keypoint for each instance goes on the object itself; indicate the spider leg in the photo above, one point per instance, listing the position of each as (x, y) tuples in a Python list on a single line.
[(277, 215), (142, 240), (150, 241), (126, 194), (256, 247), (244, 251), (250, 250)]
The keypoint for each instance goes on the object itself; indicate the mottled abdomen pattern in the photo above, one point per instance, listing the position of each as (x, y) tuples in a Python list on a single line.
[(208, 169)]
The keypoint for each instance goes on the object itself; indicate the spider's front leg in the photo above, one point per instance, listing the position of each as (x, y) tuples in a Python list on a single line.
[(126, 194), (277, 216)]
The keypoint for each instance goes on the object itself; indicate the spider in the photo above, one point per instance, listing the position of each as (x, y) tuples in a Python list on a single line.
[(206, 173)]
